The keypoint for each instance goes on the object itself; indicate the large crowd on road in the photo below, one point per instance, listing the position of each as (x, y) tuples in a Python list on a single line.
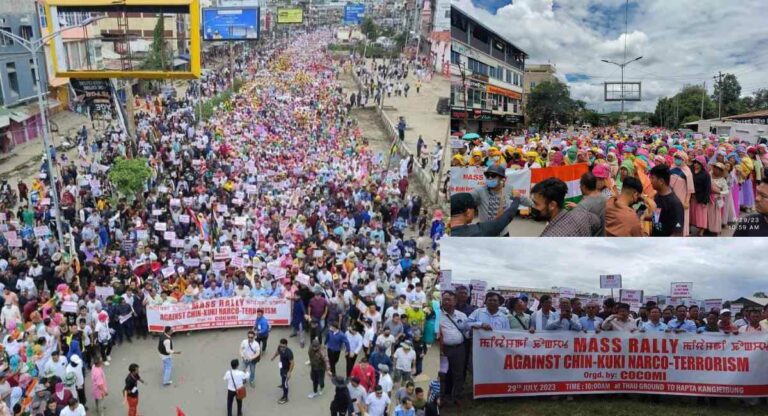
[(281, 177)]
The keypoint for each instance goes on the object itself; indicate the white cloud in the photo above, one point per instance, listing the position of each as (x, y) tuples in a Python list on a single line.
[(718, 268), (681, 41)]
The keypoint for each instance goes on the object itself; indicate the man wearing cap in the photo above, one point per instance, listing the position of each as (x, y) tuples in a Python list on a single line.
[(490, 199), (341, 402), (405, 363), (464, 210)]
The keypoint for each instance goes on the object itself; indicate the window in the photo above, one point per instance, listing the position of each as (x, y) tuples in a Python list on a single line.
[(13, 78), (498, 45), (477, 67), (492, 71), (5, 40), (33, 68), (25, 31), (533, 85), (455, 58), (509, 77)]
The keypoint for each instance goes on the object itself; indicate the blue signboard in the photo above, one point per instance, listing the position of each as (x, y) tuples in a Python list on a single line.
[(230, 23), (353, 13)]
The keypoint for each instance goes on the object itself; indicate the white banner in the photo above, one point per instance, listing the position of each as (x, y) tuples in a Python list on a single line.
[(610, 281), (710, 304), (218, 313), (517, 363)]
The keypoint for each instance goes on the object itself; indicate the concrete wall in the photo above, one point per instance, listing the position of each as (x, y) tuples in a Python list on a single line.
[(742, 131), (13, 53)]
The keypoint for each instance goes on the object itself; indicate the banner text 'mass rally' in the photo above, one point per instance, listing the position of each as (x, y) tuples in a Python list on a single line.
[(218, 313), (517, 363)]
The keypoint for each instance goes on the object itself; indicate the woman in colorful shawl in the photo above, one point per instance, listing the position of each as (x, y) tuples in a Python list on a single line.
[(703, 189), (681, 182), (571, 154), (627, 169), (641, 172), (747, 194), (736, 170), (717, 200)]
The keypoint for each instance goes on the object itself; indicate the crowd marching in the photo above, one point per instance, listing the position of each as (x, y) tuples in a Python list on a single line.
[(640, 182), (280, 177)]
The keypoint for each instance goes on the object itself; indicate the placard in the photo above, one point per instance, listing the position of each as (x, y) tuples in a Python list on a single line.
[(736, 308), (302, 279), (105, 291), (184, 219), (177, 243), (567, 292), (169, 235), (69, 306), (710, 304), (160, 226), (681, 289), (631, 296), (192, 262), (168, 271), (42, 231), (218, 266), (477, 295), (610, 281)]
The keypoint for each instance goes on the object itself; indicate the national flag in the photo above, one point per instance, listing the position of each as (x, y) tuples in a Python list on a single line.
[(179, 412), (570, 174)]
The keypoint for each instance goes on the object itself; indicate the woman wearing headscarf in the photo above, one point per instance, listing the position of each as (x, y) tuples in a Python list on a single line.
[(736, 170), (716, 203), (681, 182), (703, 189), (641, 172), (571, 154), (747, 194), (759, 167), (555, 158), (627, 169)]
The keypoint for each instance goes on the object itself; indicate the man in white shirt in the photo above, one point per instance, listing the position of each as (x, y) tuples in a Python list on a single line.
[(250, 352), (377, 402), (56, 366), (405, 360), (418, 295), (73, 408), (355, 347), (26, 283), (235, 379)]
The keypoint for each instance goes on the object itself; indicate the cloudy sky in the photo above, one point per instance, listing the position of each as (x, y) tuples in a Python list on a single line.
[(724, 268), (681, 42)]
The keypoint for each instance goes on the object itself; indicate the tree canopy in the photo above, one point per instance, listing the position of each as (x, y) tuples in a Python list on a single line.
[(130, 175)]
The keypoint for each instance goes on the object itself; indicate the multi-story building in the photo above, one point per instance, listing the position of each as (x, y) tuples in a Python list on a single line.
[(486, 77), (19, 118), (535, 74)]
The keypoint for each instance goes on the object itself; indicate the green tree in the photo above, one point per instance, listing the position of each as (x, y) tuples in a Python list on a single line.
[(158, 58), (759, 295), (683, 107), (130, 175), (550, 103), (369, 28), (755, 102), (731, 90)]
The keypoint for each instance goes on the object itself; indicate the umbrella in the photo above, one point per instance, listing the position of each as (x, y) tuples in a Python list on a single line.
[(471, 136)]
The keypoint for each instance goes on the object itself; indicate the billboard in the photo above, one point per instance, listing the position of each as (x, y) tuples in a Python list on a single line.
[(230, 23), (290, 15), (353, 13), (630, 91), (125, 39)]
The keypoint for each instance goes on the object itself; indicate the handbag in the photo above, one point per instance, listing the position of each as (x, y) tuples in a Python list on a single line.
[(240, 393)]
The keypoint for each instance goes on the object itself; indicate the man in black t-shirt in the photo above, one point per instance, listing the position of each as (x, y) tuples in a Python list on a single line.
[(131, 390), (669, 216), (286, 367)]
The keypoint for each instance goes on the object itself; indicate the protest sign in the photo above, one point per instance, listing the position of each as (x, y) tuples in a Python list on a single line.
[(157, 212), (42, 231), (160, 226), (192, 262), (681, 289), (478, 292), (168, 271), (69, 306), (302, 279), (515, 363), (218, 313), (15, 243), (177, 243), (710, 304), (736, 308), (104, 291), (630, 296), (184, 219), (218, 266), (169, 235), (610, 281), (567, 292)]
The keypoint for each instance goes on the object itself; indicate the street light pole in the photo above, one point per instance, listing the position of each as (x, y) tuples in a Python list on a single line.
[(34, 47), (622, 65)]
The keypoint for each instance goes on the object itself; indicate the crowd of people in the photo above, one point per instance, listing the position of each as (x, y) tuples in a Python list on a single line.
[(282, 177), (460, 319), (641, 182)]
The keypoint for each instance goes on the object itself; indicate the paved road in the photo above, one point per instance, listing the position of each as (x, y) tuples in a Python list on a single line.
[(199, 388)]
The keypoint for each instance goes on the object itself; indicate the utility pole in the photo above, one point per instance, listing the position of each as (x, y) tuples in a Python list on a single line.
[(464, 92), (719, 79), (704, 92)]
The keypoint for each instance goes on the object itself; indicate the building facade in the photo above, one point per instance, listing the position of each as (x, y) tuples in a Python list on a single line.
[(486, 77), (19, 118), (534, 75)]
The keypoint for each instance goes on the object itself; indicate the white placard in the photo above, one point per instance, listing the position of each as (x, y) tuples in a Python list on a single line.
[(681, 289), (610, 281), (160, 226), (567, 292), (184, 219), (168, 271), (169, 235)]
